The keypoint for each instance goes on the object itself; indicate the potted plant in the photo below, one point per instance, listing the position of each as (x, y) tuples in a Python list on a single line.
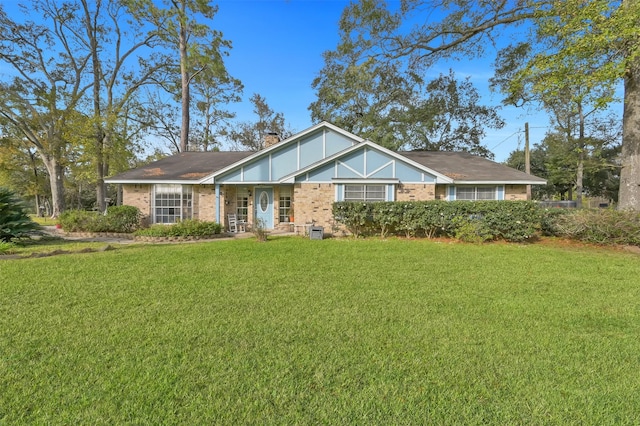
[(290, 214)]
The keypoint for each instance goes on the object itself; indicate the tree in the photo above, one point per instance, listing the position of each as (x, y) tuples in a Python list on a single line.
[(557, 159), (200, 48), (573, 105), (22, 171), (383, 102), (450, 118), (114, 86), (591, 42), (46, 86), (251, 135)]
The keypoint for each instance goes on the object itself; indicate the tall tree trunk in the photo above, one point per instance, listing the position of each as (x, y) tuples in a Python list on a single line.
[(56, 178), (581, 147), (184, 72), (629, 195)]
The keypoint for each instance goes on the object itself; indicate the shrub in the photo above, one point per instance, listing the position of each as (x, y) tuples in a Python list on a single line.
[(471, 230), (260, 230), (14, 220), (78, 220), (123, 219), (185, 228), (602, 226), (549, 220), (356, 216), (7, 247), (510, 221)]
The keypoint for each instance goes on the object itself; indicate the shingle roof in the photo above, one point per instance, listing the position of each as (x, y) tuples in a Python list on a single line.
[(186, 166), (194, 166), (462, 166)]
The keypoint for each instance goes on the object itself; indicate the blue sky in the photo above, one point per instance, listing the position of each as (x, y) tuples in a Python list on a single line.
[(277, 52)]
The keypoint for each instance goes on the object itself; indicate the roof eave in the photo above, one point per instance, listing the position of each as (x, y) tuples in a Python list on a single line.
[(499, 182), (151, 181)]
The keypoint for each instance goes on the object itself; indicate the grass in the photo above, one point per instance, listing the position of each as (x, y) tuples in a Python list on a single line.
[(322, 332)]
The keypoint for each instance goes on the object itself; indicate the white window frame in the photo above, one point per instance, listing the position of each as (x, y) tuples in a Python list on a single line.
[(366, 190), (284, 204), (242, 204), (475, 188), (173, 202)]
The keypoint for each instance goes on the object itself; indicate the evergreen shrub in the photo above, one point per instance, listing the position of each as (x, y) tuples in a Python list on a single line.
[(14, 220)]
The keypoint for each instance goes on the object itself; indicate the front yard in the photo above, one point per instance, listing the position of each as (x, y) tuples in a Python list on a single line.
[(337, 331)]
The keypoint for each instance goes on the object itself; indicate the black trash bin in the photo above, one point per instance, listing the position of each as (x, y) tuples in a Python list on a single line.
[(316, 233)]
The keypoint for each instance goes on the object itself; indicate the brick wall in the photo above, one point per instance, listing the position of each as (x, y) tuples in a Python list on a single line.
[(204, 202), (313, 203), (415, 192), (138, 196), (515, 192)]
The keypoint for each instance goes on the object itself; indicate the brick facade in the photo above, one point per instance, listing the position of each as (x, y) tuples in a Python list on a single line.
[(204, 202), (515, 192), (416, 192), (313, 203), (138, 196)]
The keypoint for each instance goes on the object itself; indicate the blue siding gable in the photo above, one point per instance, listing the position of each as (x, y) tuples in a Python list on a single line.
[(293, 155), (366, 163)]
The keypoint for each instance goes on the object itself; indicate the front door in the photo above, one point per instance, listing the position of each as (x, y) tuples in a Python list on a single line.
[(264, 206)]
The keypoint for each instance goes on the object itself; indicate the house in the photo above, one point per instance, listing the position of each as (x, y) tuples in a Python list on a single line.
[(298, 179)]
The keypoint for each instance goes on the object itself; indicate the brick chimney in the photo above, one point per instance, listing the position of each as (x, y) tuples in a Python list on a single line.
[(271, 138)]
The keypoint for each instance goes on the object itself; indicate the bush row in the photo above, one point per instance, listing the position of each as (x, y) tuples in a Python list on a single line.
[(466, 220), (122, 219), (185, 228), (488, 220)]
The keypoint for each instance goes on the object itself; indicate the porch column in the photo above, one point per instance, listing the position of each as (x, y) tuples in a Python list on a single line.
[(218, 203)]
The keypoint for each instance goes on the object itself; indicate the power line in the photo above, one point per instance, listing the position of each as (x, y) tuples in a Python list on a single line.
[(515, 133), (505, 139)]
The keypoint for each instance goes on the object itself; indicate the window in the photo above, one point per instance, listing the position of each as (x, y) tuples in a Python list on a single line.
[(284, 205), (475, 193), (172, 203), (242, 204), (365, 193)]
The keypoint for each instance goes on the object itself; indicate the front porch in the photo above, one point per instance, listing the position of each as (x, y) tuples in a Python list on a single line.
[(271, 206)]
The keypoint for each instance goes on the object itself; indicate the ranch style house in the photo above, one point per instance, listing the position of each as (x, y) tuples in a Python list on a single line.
[(295, 181)]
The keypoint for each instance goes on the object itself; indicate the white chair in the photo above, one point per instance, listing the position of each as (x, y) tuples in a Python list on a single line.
[(236, 225)]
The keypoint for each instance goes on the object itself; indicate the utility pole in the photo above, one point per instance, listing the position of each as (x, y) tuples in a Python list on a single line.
[(527, 157)]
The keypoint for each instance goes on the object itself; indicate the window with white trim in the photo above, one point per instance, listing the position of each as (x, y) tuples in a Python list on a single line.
[(242, 204), (476, 193), (284, 204), (365, 192), (172, 203)]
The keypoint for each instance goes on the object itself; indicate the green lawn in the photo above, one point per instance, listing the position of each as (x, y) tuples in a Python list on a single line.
[(338, 331)]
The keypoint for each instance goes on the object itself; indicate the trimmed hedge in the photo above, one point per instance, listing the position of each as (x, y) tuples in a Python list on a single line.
[(185, 228), (466, 220), (120, 219)]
